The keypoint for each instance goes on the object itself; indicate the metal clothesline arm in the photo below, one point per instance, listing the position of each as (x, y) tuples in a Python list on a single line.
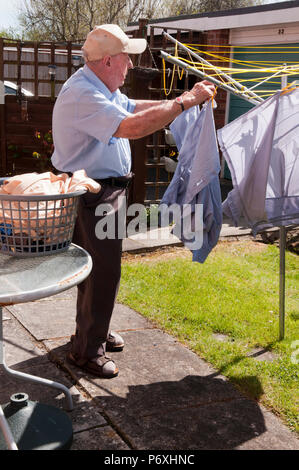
[(203, 75), (282, 249), (216, 69)]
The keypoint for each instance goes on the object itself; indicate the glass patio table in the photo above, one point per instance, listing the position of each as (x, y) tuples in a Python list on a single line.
[(25, 279)]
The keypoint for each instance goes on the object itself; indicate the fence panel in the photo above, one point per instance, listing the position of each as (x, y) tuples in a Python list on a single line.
[(39, 68), (28, 142)]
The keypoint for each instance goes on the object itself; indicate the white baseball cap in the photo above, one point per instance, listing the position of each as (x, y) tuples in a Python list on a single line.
[(109, 39)]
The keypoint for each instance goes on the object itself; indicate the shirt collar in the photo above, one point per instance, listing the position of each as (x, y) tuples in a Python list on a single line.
[(97, 82)]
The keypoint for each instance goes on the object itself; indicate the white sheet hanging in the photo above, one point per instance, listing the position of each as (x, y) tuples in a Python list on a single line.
[(261, 148)]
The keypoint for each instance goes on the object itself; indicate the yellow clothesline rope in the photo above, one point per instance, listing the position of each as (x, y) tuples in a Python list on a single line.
[(173, 73), (236, 61), (218, 75), (241, 47), (249, 67), (217, 57), (288, 69)]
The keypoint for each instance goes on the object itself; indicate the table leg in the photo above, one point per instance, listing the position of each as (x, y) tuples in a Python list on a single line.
[(7, 432), (42, 381), (29, 377)]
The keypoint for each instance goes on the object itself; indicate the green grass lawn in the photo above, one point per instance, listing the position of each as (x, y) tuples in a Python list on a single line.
[(223, 310)]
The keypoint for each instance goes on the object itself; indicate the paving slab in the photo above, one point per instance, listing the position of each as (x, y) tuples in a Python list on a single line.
[(47, 318), (166, 397), (159, 237), (155, 237), (38, 392), (124, 319), (132, 245), (23, 355), (151, 350), (227, 425), (228, 230), (102, 438), (55, 317), (84, 416), (19, 347)]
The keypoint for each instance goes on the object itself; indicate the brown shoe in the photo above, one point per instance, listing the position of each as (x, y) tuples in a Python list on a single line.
[(100, 366), (114, 342)]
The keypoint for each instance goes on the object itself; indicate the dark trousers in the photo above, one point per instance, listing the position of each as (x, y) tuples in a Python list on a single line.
[(97, 293)]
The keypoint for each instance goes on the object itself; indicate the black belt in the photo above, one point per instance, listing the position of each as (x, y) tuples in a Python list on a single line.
[(118, 182)]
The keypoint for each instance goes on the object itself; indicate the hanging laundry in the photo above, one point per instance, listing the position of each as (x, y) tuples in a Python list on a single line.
[(34, 216), (195, 185), (261, 148)]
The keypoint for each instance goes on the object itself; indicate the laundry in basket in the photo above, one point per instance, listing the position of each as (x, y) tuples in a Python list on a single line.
[(38, 211)]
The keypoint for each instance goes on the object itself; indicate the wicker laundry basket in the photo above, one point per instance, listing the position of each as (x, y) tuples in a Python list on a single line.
[(35, 225)]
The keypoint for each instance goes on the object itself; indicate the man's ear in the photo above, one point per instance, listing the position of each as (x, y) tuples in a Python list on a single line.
[(107, 60)]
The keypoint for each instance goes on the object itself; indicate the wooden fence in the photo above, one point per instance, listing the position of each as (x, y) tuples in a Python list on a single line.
[(36, 65), (40, 68), (28, 145)]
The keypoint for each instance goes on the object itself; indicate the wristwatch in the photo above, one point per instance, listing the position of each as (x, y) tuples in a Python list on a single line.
[(179, 101)]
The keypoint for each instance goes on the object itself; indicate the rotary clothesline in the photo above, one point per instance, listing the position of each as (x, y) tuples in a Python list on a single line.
[(215, 56), (205, 66), (252, 98), (220, 74), (248, 63), (219, 77), (233, 86)]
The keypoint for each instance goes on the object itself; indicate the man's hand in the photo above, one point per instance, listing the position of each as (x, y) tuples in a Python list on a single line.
[(201, 92)]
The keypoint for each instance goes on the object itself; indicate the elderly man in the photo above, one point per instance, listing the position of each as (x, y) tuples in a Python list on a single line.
[(92, 122)]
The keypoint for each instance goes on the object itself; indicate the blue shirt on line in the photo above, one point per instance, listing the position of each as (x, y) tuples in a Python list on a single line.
[(196, 179), (85, 117)]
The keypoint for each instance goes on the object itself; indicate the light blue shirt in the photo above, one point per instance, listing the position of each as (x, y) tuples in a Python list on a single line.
[(196, 179), (85, 117)]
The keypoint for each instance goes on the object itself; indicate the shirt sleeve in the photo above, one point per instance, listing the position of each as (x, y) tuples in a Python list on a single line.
[(98, 116), (128, 103)]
